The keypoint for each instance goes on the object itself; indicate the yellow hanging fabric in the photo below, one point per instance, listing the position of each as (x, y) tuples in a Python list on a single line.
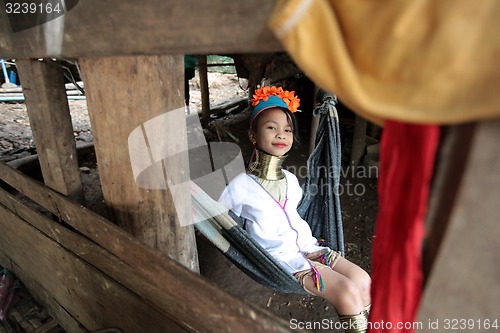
[(421, 61)]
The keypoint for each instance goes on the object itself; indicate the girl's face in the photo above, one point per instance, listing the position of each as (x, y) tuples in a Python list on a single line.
[(273, 133)]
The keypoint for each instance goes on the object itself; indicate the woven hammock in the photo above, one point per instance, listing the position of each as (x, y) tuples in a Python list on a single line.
[(321, 209)]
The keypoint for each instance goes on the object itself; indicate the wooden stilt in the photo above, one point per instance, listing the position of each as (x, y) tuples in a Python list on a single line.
[(48, 110), (375, 131), (447, 179), (358, 141), (205, 93), (123, 94), (314, 123), (314, 129)]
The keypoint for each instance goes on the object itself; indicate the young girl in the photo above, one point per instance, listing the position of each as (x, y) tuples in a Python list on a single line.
[(266, 197)]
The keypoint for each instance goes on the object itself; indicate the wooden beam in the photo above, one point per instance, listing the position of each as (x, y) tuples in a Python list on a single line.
[(78, 286), (122, 95), (95, 28), (185, 296), (48, 110), (358, 141), (464, 278)]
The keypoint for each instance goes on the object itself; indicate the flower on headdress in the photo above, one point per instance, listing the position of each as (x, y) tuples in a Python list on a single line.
[(263, 93)]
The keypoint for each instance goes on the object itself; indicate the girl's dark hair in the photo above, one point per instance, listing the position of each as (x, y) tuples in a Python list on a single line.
[(292, 120)]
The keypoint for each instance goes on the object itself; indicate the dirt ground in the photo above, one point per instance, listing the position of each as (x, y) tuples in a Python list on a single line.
[(358, 200)]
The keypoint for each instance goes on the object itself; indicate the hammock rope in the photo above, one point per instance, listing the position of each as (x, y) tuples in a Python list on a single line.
[(321, 209)]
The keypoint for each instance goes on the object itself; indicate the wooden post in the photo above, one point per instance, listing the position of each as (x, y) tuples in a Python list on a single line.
[(205, 93), (375, 131), (123, 93), (450, 167), (314, 121), (314, 129), (358, 141), (464, 278), (48, 110)]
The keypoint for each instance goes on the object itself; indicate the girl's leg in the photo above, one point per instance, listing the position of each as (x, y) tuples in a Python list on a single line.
[(358, 276), (339, 290), (344, 295)]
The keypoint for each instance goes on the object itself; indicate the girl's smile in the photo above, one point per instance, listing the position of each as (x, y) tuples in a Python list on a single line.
[(273, 133)]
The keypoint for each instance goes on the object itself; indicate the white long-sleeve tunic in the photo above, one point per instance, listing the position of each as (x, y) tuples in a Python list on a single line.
[(279, 230)]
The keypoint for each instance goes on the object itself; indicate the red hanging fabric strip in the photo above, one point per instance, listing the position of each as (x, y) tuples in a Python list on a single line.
[(406, 167)]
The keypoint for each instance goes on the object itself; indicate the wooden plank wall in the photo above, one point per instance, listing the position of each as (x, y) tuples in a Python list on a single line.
[(463, 281), (30, 245), (92, 275), (451, 162)]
